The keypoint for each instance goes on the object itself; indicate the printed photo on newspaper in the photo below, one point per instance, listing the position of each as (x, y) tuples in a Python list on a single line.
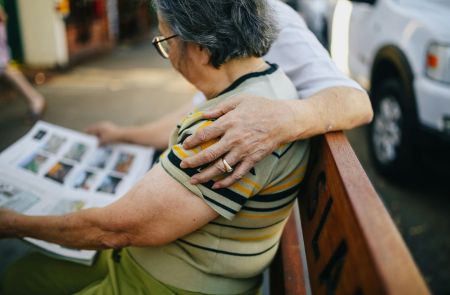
[(53, 170)]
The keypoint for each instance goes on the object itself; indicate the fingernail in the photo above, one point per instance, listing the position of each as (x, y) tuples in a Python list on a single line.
[(183, 165), (216, 186), (194, 181)]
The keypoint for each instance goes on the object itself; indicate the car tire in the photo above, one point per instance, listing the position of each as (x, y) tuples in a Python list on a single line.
[(391, 132)]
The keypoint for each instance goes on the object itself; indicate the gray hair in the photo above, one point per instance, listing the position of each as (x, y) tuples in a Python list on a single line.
[(226, 28)]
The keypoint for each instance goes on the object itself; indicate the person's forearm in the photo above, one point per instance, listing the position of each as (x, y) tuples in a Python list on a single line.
[(81, 230), (252, 127), (156, 133), (337, 108)]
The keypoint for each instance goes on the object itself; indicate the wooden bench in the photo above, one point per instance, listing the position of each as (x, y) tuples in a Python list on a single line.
[(350, 242)]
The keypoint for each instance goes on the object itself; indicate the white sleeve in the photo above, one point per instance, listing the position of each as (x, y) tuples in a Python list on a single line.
[(301, 56)]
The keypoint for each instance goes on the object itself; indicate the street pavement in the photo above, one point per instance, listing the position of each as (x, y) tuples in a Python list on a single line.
[(133, 85), (420, 208)]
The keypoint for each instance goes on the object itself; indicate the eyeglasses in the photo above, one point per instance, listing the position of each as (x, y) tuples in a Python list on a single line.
[(162, 46)]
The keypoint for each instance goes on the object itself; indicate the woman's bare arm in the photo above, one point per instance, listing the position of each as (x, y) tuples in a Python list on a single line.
[(155, 212)]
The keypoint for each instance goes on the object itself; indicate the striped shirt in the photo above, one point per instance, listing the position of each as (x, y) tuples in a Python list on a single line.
[(228, 255)]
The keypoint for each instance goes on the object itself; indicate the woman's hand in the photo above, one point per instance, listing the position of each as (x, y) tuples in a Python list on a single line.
[(250, 128), (107, 132)]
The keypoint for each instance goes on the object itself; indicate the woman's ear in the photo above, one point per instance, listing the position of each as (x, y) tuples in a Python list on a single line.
[(198, 53), (204, 55)]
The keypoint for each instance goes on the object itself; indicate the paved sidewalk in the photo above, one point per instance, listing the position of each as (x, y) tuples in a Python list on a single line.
[(129, 86)]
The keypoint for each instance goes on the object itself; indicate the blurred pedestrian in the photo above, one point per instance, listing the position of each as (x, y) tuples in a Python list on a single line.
[(36, 102)]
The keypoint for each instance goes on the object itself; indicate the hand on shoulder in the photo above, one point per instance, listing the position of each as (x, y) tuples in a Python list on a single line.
[(249, 128)]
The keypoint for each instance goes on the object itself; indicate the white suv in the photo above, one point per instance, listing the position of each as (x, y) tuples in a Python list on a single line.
[(317, 14), (399, 50)]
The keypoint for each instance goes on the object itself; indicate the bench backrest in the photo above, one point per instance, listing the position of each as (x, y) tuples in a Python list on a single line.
[(351, 243)]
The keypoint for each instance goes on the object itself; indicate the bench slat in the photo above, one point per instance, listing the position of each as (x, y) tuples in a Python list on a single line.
[(286, 272)]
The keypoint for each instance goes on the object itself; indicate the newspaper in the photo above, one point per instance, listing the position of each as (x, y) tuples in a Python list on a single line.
[(53, 170)]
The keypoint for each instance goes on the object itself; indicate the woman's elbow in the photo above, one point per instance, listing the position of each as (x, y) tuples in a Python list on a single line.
[(115, 234), (365, 110), (134, 231), (149, 238), (133, 235), (115, 240), (368, 117)]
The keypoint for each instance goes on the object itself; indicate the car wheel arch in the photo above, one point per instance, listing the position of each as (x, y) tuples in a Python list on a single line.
[(391, 62)]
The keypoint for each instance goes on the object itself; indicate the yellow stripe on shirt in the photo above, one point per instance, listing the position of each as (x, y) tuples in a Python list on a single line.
[(195, 115), (258, 238), (296, 172), (242, 190), (257, 216), (282, 187), (204, 124), (251, 183), (180, 151)]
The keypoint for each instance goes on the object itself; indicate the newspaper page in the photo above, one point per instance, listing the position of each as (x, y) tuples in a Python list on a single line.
[(53, 170)]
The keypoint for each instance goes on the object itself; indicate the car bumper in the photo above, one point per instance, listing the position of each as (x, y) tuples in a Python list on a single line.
[(433, 105)]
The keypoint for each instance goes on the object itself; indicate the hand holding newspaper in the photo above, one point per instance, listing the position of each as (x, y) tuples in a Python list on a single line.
[(54, 170)]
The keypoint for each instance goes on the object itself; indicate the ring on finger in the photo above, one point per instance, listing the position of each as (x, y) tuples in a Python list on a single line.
[(227, 166)]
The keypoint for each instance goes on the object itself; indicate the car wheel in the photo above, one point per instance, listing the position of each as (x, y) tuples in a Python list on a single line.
[(391, 131)]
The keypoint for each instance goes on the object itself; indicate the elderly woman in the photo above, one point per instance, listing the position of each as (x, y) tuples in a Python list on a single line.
[(175, 237)]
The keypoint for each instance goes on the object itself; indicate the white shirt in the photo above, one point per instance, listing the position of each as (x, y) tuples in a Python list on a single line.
[(300, 55)]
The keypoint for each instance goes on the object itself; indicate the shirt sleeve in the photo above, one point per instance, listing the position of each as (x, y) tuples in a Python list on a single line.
[(298, 52), (226, 201)]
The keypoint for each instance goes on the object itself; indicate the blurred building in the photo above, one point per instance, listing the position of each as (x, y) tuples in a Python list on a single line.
[(87, 28), (55, 33), (134, 18)]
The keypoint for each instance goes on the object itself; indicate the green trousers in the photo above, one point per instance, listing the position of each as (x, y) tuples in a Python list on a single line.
[(112, 274)]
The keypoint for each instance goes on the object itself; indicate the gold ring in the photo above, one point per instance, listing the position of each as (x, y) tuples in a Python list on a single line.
[(227, 166)]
